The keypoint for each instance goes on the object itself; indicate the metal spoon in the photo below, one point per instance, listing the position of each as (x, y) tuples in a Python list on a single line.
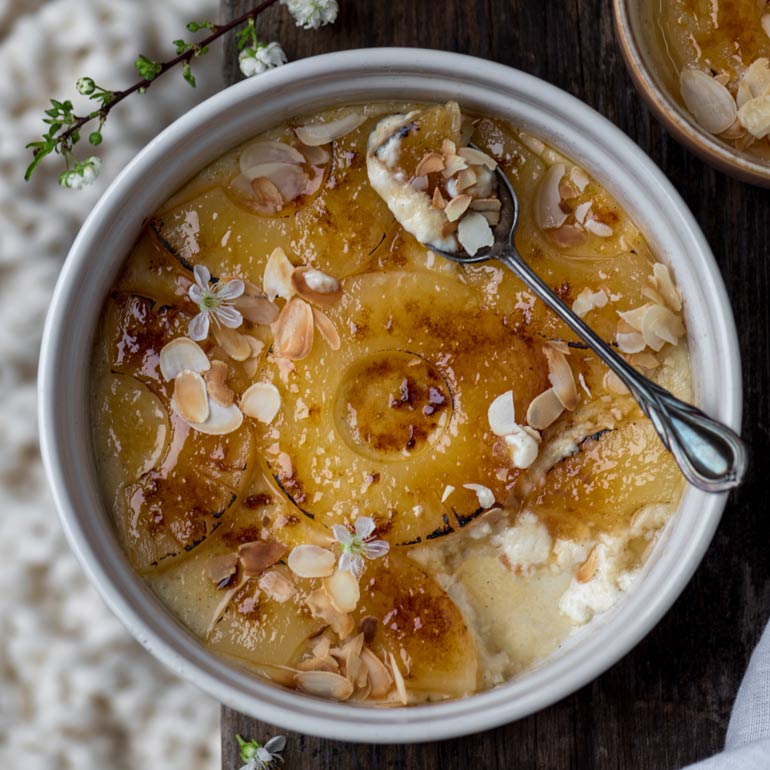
[(710, 455)]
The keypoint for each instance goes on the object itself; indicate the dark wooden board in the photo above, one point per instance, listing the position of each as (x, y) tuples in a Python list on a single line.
[(668, 702)]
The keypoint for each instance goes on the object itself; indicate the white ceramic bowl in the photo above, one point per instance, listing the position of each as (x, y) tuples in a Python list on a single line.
[(232, 117)]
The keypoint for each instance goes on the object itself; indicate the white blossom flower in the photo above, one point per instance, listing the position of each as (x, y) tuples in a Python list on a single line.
[(213, 300), (356, 546), (84, 174), (258, 757), (265, 56), (312, 14)]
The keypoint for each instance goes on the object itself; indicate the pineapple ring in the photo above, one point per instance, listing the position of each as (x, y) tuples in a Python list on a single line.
[(358, 425)]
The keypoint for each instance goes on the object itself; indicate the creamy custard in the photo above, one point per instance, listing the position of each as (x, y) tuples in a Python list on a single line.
[(360, 470)]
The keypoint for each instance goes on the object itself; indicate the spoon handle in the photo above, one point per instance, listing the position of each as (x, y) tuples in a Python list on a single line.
[(710, 455)]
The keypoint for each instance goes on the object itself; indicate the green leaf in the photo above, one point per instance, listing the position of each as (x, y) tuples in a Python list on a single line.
[(147, 68), (39, 155), (181, 46), (187, 74)]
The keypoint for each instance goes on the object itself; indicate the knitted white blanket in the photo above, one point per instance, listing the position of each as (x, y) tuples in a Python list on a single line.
[(75, 691)]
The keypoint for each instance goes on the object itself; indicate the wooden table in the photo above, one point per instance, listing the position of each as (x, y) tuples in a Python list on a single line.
[(668, 702)]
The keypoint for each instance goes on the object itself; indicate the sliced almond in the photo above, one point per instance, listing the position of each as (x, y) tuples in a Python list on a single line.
[(634, 317), (262, 401), (493, 217), (587, 300), (190, 398), (666, 286), (216, 384), (232, 342), (653, 295), (567, 236), (287, 177), (438, 201), (320, 605), (327, 329), (477, 157), (644, 360), (315, 286), (180, 354), (532, 143), (465, 179), (597, 228), (311, 561), (561, 377), (630, 342), (258, 310), (544, 410), (419, 183), (324, 133), (448, 147), (430, 163), (486, 204), (579, 178), (398, 679), (315, 156), (269, 152), (581, 212), (219, 569), (613, 383), (547, 203), (221, 420), (765, 22), (319, 664), (457, 207), (264, 198), (484, 495), (258, 555), (587, 569), (567, 190), (276, 280), (754, 82), (343, 590), (710, 103), (660, 324), (277, 584), (380, 677), (293, 331), (325, 684), (502, 414), (755, 116), (474, 233), (523, 443), (448, 489), (454, 165)]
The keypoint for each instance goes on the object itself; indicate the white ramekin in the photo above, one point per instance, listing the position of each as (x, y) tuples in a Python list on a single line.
[(230, 118)]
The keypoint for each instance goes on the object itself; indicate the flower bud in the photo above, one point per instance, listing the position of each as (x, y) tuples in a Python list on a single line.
[(85, 86)]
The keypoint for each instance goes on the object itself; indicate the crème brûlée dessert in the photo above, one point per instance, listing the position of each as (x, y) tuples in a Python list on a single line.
[(716, 55), (353, 467)]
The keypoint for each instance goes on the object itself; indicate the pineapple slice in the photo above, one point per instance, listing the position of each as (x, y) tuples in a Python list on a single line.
[(384, 425)]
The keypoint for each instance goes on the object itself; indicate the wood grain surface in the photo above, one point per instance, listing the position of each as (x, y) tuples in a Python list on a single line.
[(668, 702)]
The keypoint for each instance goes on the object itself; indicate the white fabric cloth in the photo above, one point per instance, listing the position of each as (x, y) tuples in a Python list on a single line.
[(75, 690), (747, 745)]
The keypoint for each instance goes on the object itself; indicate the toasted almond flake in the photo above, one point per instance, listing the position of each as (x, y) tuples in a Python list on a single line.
[(325, 684), (290, 180), (630, 342), (277, 277), (398, 679), (216, 384), (368, 628), (269, 152), (484, 495), (588, 568), (454, 165), (659, 323), (710, 103), (315, 156), (232, 342), (419, 183), (653, 296), (613, 383), (531, 142), (221, 420), (277, 584), (544, 410), (486, 204), (666, 286), (474, 233), (180, 354), (260, 193), (547, 202), (293, 331), (315, 286), (584, 385), (644, 360), (457, 207), (742, 95), (448, 489), (567, 236), (448, 147), (567, 190), (319, 664), (258, 310), (324, 133), (353, 667), (343, 590), (322, 645), (430, 163), (258, 555), (251, 367), (600, 229), (438, 201), (755, 116), (634, 317), (262, 401), (560, 345), (327, 329), (561, 377), (587, 300), (190, 399), (523, 445), (765, 22), (311, 561), (502, 414), (380, 677), (477, 157), (219, 569), (320, 605), (754, 82), (465, 179), (579, 178), (493, 217), (581, 212)]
